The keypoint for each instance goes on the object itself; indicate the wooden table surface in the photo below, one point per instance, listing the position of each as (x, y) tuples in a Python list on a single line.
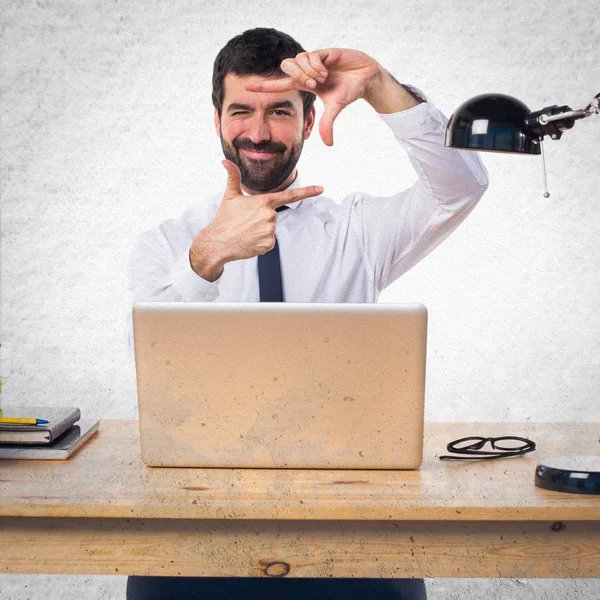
[(104, 511)]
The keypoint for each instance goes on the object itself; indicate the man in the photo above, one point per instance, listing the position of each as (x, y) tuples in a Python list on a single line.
[(235, 245)]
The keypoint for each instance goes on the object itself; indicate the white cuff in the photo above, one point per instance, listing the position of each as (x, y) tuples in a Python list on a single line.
[(190, 285), (415, 121)]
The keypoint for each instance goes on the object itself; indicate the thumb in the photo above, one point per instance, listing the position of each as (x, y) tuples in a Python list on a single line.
[(326, 122), (234, 179)]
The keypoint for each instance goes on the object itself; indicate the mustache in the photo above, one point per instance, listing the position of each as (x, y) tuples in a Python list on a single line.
[(266, 147)]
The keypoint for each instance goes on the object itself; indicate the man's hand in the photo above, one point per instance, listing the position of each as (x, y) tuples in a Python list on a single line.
[(243, 227), (338, 76)]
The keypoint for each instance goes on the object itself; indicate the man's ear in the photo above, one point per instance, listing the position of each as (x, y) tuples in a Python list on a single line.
[(309, 122), (217, 123)]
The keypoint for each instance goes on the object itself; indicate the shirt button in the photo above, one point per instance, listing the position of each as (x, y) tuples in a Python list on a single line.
[(208, 296)]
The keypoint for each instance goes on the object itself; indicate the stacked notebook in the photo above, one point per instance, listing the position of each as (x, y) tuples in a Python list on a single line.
[(63, 434)]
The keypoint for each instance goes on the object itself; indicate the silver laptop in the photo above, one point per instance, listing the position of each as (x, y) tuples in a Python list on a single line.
[(318, 386)]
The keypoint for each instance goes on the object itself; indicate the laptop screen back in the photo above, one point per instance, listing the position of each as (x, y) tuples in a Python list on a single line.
[(281, 385)]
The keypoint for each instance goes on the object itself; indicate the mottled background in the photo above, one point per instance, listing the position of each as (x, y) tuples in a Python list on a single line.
[(107, 129)]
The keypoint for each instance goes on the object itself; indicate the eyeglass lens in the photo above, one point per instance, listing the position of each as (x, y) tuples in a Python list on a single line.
[(509, 443)]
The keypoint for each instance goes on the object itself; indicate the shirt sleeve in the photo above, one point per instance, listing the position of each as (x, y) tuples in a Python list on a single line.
[(398, 231), (160, 270)]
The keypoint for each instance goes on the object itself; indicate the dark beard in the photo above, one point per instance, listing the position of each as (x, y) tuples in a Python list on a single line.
[(263, 175)]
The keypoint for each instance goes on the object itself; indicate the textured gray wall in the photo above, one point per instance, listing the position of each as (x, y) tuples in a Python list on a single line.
[(107, 129)]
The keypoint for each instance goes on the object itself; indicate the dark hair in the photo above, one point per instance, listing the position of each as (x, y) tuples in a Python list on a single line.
[(257, 51)]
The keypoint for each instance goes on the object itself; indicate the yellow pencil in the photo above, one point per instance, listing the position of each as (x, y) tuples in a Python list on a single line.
[(22, 421)]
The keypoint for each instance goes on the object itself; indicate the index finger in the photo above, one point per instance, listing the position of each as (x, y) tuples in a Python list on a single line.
[(290, 196), (286, 84)]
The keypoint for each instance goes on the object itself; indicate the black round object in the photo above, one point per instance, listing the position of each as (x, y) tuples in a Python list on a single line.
[(493, 122), (573, 474)]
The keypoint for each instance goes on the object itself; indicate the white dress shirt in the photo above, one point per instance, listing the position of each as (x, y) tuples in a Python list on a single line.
[(330, 252)]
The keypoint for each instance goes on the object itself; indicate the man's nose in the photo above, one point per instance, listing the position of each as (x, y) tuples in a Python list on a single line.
[(259, 130)]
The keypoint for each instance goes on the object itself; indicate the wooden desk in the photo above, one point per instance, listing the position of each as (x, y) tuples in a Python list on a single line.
[(104, 512)]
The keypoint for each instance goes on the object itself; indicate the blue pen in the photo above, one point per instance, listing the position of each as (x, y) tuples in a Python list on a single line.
[(23, 421)]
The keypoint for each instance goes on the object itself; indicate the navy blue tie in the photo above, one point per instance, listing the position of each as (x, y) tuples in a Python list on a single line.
[(269, 273)]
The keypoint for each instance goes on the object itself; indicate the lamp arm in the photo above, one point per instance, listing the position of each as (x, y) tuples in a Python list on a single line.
[(572, 114), (593, 108), (553, 120)]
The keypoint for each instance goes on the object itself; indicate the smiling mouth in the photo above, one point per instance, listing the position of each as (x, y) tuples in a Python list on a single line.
[(258, 155)]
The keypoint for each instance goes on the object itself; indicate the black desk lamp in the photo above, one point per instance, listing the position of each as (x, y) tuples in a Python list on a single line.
[(499, 123)]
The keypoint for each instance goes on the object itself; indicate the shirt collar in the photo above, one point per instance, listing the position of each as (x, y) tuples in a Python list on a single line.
[(297, 183)]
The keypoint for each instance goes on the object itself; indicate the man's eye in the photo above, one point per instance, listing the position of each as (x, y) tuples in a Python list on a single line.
[(245, 112)]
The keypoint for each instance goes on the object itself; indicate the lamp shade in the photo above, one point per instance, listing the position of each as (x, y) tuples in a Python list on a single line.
[(493, 122)]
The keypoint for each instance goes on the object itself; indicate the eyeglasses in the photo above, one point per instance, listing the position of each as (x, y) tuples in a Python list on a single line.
[(471, 447)]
